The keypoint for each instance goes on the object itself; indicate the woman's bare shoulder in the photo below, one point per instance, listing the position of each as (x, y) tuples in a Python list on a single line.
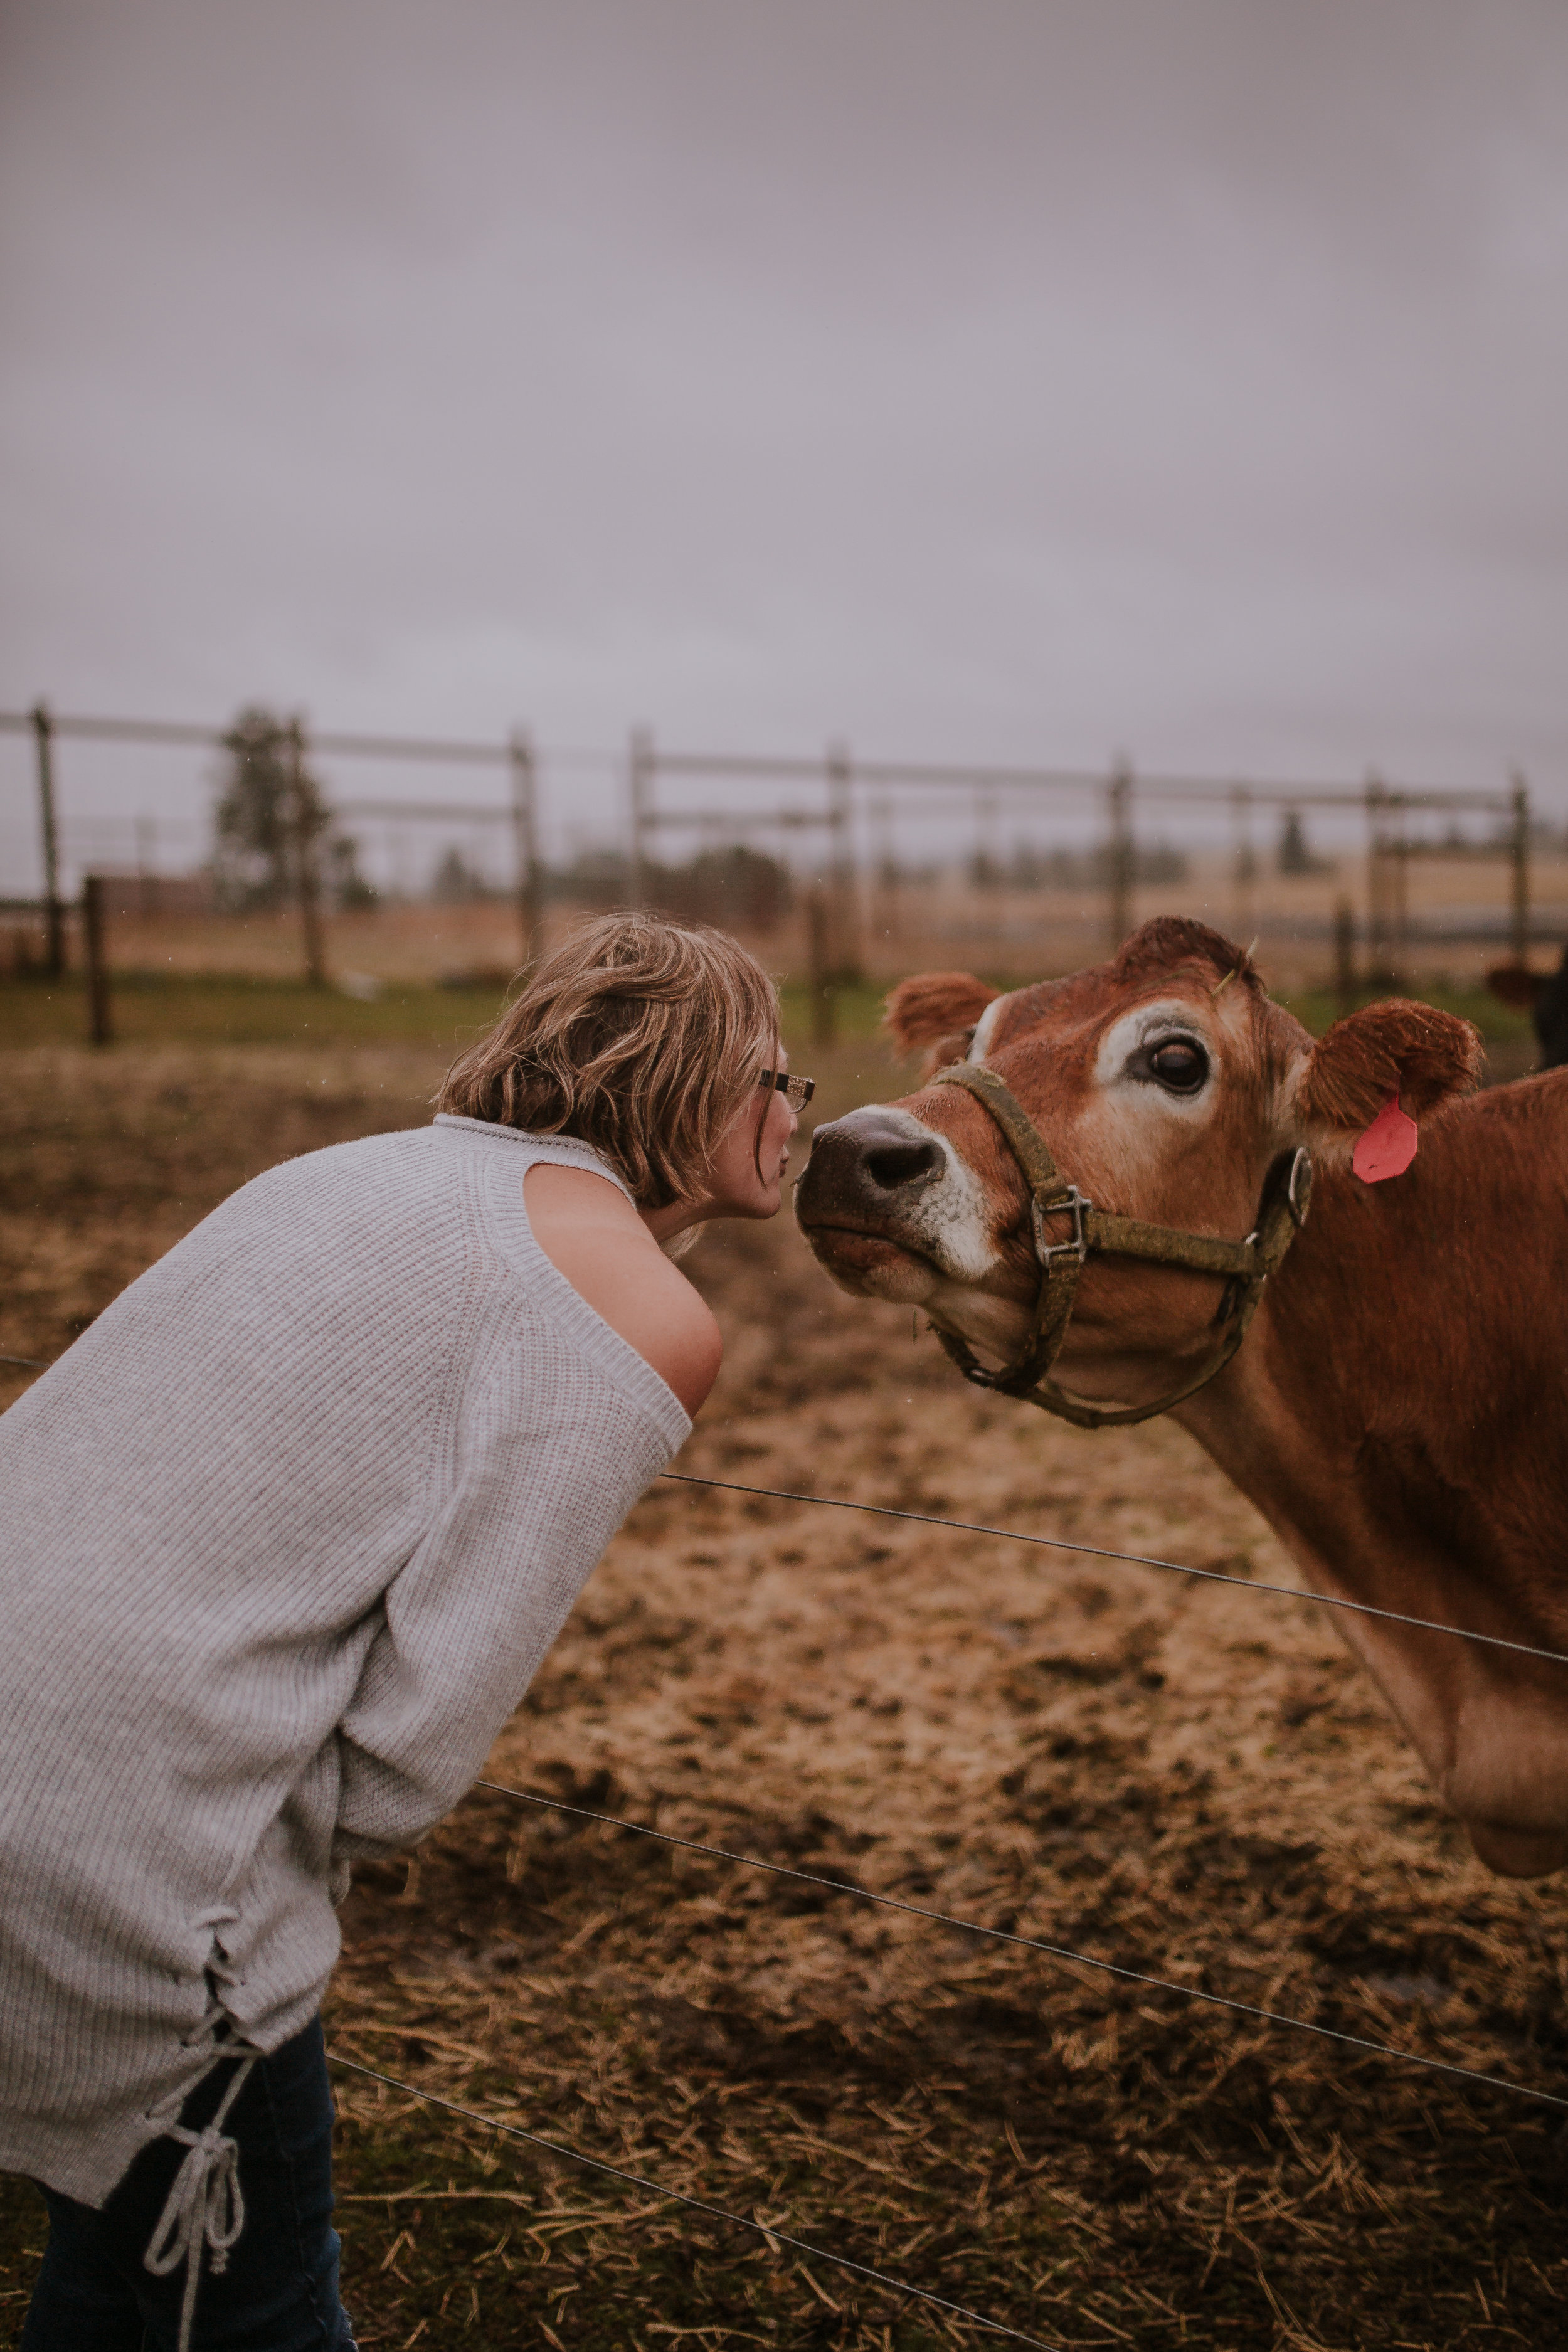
[(594, 1236)]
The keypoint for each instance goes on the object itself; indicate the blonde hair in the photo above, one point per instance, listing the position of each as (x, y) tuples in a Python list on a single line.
[(640, 1036)]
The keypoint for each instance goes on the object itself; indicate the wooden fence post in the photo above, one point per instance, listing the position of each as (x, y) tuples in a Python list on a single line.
[(639, 777), (887, 915), (1400, 878), (1519, 897), (845, 957), (525, 830), (1119, 852), (305, 823), (100, 1026), (1244, 872), (54, 911), (1378, 895), (1344, 956), (823, 1023)]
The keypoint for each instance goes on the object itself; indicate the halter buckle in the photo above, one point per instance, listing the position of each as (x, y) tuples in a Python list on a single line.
[(1075, 1204)]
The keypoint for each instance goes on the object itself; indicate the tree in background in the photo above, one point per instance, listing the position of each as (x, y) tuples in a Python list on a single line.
[(1032, 868), (1295, 855), (256, 822), (735, 886), (455, 883), (347, 884), (272, 816)]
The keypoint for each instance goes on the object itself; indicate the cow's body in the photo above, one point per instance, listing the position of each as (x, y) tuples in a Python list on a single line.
[(1550, 1018), (1399, 1414), (1399, 1410), (1544, 995)]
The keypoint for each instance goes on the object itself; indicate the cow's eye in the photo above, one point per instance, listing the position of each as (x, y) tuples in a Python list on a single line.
[(1180, 1064)]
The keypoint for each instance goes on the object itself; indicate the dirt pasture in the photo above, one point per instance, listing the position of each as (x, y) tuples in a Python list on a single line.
[(1177, 1778)]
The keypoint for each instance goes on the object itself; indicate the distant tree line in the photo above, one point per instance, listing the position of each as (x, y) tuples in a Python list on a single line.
[(1031, 868), (735, 888)]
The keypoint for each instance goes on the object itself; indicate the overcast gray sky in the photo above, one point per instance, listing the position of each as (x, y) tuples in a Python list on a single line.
[(1024, 381)]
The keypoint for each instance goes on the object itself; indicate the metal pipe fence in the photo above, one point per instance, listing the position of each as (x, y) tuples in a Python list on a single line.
[(847, 804), (517, 812)]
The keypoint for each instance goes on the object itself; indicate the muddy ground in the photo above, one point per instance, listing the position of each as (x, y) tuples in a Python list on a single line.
[(1178, 1779)]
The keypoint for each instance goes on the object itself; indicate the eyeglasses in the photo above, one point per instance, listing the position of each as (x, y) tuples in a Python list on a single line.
[(796, 1092)]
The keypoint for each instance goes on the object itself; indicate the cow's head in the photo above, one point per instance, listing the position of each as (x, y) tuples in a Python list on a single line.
[(1166, 1082)]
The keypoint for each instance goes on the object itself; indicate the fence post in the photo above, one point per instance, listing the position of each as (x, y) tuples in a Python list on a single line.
[(886, 913), (639, 778), (1246, 873), (987, 867), (100, 1026), (1377, 907), (53, 912), (1520, 906), (146, 890), (823, 1024), (847, 927), (1344, 956), (525, 830), (1400, 879), (1118, 852), (305, 826)]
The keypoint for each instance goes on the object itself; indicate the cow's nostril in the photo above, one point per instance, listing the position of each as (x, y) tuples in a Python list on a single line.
[(894, 1165)]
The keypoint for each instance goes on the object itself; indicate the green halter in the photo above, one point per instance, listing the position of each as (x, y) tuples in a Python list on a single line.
[(1246, 1265)]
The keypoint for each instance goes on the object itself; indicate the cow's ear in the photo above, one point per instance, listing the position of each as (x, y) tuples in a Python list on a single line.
[(1424, 1057), (933, 1005)]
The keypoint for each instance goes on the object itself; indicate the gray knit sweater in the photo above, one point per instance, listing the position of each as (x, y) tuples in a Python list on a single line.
[(283, 1539)]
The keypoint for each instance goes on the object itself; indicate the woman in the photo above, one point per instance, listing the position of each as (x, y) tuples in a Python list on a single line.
[(289, 1531)]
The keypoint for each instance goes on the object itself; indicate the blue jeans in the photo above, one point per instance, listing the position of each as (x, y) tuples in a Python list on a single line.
[(279, 2292)]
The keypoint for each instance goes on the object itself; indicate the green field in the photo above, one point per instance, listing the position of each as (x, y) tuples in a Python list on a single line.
[(223, 1008)]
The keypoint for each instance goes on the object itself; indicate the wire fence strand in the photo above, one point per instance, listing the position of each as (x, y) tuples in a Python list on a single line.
[(1133, 1559), (1088, 1551), (765, 2230), (1035, 1944)]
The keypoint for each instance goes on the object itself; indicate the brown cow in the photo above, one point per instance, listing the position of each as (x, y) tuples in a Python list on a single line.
[(1544, 996), (1398, 1409)]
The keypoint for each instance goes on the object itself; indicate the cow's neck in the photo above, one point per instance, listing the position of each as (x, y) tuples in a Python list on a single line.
[(1397, 1414)]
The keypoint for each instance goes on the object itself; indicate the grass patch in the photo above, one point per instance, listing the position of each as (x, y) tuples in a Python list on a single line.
[(223, 1008), (1498, 1022)]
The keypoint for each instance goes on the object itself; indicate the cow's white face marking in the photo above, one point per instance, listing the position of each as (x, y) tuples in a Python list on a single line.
[(947, 1221), (1162, 1054), (1156, 1083)]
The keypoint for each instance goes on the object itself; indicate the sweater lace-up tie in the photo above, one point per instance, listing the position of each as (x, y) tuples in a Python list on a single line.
[(204, 2212)]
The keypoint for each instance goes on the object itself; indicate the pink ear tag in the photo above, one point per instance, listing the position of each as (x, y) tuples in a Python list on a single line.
[(1387, 1147)]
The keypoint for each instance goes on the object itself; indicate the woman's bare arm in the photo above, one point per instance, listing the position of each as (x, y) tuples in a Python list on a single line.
[(591, 1234)]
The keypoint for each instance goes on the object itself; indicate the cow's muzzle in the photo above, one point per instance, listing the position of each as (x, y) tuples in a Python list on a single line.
[(865, 1171)]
